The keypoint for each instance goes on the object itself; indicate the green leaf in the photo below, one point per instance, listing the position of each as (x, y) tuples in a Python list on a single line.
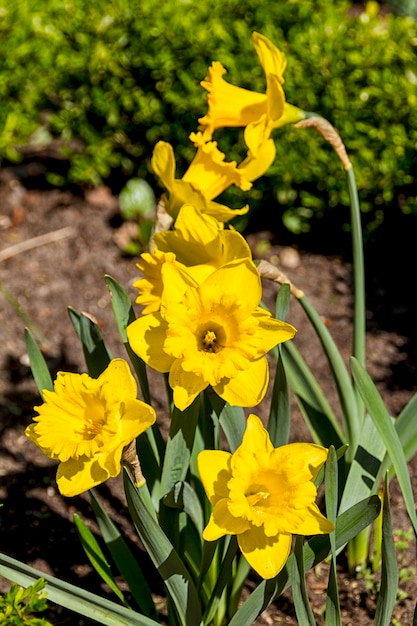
[(179, 446), (38, 364), (175, 576), (72, 597), (303, 610), (231, 419), (388, 434), (279, 420), (182, 496), (282, 302), (348, 524), (96, 557), (364, 472), (387, 595), (124, 315), (96, 354), (333, 615), (123, 558), (406, 427), (352, 418), (317, 412)]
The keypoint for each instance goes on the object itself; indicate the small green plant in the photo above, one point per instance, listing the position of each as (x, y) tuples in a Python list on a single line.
[(18, 605)]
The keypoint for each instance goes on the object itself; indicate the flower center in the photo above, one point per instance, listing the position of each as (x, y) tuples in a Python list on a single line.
[(255, 494), (92, 428), (211, 338)]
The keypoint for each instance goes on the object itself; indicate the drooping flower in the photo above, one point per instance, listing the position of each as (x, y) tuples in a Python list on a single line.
[(198, 242), (213, 333), (85, 423), (206, 177), (263, 495), (258, 113)]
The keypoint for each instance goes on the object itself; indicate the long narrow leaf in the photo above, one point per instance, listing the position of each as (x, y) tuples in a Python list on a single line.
[(96, 557), (303, 610), (124, 560), (72, 597), (333, 615), (231, 419), (352, 418), (387, 595), (317, 412), (388, 434), (406, 427), (179, 446), (96, 355), (38, 364), (124, 314), (280, 409), (166, 560)]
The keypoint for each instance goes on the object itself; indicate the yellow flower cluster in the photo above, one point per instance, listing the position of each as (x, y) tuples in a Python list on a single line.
[(202, 323)]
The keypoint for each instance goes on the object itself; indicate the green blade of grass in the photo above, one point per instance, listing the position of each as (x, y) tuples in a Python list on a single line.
[(72, 597)]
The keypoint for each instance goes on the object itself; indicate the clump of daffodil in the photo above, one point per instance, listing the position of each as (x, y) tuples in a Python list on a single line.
[(213, 333), (207, 176), (263, 495), (85, 424), (258, 113), (199, 242)]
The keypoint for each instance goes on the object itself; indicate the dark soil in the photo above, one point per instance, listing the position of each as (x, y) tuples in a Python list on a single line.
[(39, 283)]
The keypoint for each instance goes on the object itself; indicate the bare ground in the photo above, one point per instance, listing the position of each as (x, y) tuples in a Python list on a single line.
[(67, 268)]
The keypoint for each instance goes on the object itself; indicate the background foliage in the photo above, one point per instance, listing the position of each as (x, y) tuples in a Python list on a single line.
[(109, 79)]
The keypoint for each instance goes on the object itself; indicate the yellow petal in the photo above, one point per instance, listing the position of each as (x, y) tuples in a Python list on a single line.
[(163, 163), (273, 61), (242, 280), (77, 476), (271, 331), (214, 470), (248, 388), (221, 212), (266, 555), (223, 523), (313, 523), (135, 419), (177, 282), (256, 437), (119, 379), (186, 386), (146, 336)]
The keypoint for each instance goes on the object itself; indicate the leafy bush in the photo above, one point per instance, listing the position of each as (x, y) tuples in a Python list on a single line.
[(119, 76)]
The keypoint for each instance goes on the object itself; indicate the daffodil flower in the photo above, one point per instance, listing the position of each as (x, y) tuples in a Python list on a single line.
[(199, 242), (258, 113), (206, 177), (85, 423), (263, 495), (213, 333)]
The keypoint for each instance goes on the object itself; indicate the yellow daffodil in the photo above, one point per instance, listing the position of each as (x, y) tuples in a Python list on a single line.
[(207, 176), (263, 495), (213, 333), (198, 242), (85, 423), (259, 113)]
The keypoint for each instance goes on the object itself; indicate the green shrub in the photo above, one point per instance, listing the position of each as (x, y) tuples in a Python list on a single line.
[(119, 76)]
